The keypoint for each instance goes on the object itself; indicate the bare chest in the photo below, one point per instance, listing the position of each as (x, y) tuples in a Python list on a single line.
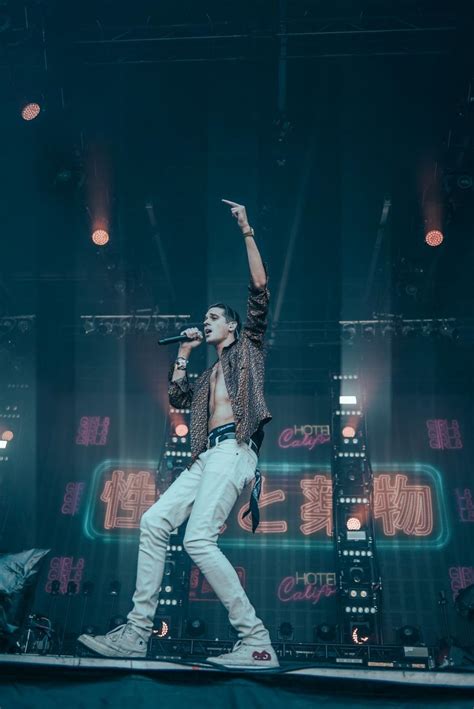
[(217, 382)]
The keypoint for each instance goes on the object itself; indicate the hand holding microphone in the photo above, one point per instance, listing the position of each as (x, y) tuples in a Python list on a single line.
[(188, 339)]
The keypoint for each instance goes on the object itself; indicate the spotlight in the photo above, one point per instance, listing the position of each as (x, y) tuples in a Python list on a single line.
[(24, 326), (348, 333), (116, 620), (348, 399), (360, 634), (123, 326), (434, 237), (448, 330), (30, 111), (389, 330), (285, 631), (348, 432), (181, 430), (409, 635), (408, 330), (7, 436), (162, 630), (368, 332), (90, 629), (195, 627), (3, 444), (105, 327), (100, 237), (114, 588), (87, 588), (357, 574), (89, 326), (353, 524), (325, 632)]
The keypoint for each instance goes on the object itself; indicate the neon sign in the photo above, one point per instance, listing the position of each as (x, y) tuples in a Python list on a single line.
[(93, 431), (323, 585), (308, 436), (72, 498), (465, 504), (443, 434), (65, 569), (295, 505)]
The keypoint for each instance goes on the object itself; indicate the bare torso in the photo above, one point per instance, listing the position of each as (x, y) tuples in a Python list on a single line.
[(220, 409)]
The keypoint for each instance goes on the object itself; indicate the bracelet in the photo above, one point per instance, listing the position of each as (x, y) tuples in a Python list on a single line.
[(248, 232), (181, 363)]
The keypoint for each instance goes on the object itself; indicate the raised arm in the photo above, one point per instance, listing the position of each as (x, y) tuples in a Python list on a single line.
[(258, 299), (257, 269)]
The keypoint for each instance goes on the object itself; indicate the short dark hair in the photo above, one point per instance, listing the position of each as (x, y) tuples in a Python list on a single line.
[(230, 315)]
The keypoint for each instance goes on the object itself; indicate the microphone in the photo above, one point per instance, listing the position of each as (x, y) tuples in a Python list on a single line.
[(174, 339)]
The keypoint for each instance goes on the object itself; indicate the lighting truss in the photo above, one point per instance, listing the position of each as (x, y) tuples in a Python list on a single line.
[(357, 577), (392, 325), (122, 325)]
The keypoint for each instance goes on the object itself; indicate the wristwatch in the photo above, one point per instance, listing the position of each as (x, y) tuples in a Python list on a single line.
[(248, 232)]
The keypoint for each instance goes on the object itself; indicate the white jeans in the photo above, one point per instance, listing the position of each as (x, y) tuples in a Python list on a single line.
[(206, 493)]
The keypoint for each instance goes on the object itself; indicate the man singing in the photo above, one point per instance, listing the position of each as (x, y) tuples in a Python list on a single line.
[(228, 413)]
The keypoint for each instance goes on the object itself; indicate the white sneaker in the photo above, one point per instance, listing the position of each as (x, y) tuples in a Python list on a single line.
[(255, 657), (123, 641)]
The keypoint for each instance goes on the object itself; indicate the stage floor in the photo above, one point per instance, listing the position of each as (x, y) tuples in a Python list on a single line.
[(426, 678)]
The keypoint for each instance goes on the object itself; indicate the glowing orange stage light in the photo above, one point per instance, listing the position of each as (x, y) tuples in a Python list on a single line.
[(30, 111), (348, 432), (434, 237), (100, 237), (181, 429), (353, 524), (7, 436)]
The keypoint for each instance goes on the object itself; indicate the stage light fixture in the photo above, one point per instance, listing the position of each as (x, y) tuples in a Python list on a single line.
[(100, 237), (89, 325), (3, 444), (389, 329), (353, 524), (87, 588), (285, 631), (195, 627), (348, 432), (55, 587), (114, 588), (449, 330), (356, 574), (123, 327), (348, 333), (325, 632), (434, 237), (162, 630), (30, 111), (116, 620), (368, 332), (408, 330), (181, 430), (360, 634), (347, 399), (409, 635)]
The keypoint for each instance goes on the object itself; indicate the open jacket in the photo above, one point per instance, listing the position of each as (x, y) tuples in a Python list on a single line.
[(243, 364)]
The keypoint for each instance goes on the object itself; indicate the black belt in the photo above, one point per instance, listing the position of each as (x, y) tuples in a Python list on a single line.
[(227, 436)]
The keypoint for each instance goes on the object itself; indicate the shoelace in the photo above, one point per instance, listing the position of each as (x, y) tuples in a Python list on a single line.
[(117, 632)]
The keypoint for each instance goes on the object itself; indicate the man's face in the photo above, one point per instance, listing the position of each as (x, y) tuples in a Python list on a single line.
[(216, 328)]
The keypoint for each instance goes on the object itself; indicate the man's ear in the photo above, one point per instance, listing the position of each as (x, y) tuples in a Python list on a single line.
[(232, 326)]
